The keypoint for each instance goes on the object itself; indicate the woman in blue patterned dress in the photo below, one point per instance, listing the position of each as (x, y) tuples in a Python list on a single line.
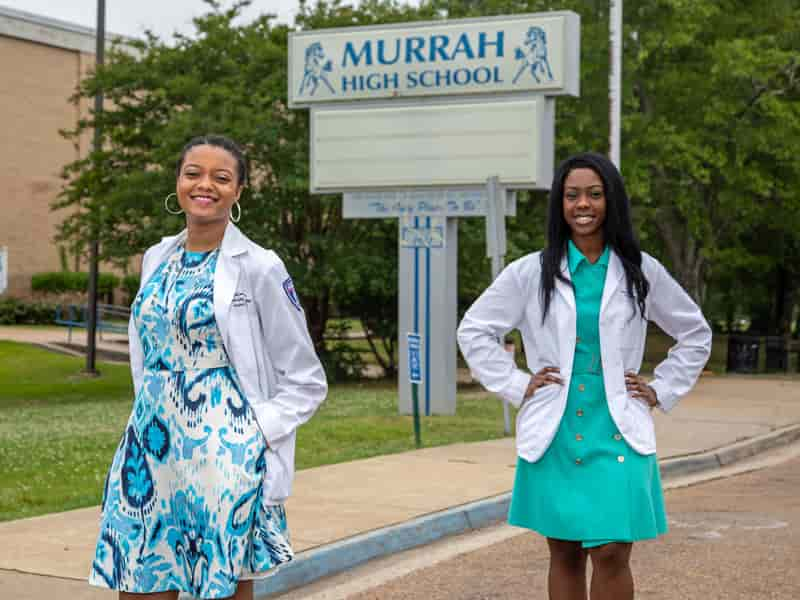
[(587, 475), (224, 371)]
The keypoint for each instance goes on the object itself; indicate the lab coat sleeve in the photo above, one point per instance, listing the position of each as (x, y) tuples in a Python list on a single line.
[(299, 380), (496, 312), (674, 311)]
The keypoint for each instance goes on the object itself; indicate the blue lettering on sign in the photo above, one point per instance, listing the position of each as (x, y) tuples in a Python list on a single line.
[(439, 47), (414, 358), (382, 53), (373, 81), (427, 50), (498, 44), (478, 75), (437, 78), (414, 46), (349, 52), (419, 49), (463, 46)]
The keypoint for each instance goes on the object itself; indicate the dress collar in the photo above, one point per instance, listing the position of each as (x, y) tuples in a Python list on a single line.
[(575, 257)]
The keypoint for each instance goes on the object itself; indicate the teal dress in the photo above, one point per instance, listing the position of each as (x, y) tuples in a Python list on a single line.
[(589, 486)]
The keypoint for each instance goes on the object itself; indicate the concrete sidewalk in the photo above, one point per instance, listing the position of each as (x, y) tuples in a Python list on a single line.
[(113, 347), (348, 505)]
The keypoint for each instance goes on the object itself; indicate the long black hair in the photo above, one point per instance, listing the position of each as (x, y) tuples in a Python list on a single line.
[(617, 229)]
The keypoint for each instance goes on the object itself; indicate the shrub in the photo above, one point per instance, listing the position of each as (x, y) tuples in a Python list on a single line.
[(58, 282), (130, 285), (17, 312)]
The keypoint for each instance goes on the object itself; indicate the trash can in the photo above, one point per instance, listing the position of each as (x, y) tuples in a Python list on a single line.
[(743, 353), (777, 353)]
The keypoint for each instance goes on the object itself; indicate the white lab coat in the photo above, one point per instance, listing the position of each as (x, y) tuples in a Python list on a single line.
[(512, 301), (266, 338)]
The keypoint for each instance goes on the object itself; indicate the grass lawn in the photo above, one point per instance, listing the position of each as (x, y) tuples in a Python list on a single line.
[(59, 429)]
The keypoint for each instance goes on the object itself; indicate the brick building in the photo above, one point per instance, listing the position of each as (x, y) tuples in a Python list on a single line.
[(42, 60)]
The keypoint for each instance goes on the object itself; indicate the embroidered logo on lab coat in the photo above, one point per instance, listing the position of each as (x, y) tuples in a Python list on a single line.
[(288, 287), (240, 299)]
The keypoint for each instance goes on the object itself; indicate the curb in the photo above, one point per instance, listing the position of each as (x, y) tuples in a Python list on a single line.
[(350, 552), (726, 455)]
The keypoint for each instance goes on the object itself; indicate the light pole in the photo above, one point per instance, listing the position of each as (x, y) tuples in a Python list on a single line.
[(615, 80), (91, 316)]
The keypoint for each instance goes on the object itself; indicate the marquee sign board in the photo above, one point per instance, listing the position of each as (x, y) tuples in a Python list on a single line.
[(522, 53), (446, 145)]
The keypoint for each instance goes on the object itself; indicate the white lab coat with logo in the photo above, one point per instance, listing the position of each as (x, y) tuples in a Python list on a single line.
[(512, 301), (266, 338)]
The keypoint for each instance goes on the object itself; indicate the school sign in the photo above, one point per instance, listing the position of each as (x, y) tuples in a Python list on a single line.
[(430, 122), (533, 53)]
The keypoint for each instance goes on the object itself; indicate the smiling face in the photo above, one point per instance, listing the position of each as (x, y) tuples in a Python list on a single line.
[(208, 184), (584, 204)]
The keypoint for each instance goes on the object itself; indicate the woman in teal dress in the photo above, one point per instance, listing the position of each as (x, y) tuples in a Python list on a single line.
[(587, 475)]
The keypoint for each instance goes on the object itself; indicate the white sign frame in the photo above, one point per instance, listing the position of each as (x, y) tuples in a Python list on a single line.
[(548, 43), (423, 202)]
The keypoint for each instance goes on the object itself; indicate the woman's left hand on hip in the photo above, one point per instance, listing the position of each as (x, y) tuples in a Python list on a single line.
[(639, 389)]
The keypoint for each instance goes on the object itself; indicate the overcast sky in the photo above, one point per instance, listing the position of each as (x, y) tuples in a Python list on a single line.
[(132, 17)]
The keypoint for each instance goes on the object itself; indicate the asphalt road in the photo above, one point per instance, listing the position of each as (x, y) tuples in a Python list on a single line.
[(735, 538)]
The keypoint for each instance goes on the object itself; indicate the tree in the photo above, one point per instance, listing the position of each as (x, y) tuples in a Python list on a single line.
[(711, 115), (227, 79), (710, 119)]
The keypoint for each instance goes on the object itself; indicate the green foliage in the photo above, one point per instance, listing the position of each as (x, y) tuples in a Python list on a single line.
[(228, 79), (18, 312), (57, 282), (130, 284), (368, 289), (62, 258), (710, 123), (712, 115)]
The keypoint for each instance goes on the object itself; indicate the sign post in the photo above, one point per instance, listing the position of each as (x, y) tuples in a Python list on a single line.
[(3, 269), (415, 378), (496, 249)]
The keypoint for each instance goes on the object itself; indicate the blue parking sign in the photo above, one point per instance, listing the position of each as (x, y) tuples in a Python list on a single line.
[(414, 358)]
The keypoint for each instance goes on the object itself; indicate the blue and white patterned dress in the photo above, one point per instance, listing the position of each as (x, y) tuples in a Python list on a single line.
[(182, 505)]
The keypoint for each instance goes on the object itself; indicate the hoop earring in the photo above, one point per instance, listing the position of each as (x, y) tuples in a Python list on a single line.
[(166, 205), (238, 214)]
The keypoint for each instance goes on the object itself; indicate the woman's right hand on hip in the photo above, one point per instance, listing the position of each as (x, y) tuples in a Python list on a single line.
[(544, 377)]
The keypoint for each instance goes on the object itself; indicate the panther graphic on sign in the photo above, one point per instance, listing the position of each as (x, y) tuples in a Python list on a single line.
[(533, 55), (317, 66)]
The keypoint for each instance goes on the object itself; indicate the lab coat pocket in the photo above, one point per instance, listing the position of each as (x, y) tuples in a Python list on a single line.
[(280, 468), (643, 427), (535, 417)]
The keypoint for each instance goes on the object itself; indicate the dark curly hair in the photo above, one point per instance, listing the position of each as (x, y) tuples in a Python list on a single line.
[(220, 141)]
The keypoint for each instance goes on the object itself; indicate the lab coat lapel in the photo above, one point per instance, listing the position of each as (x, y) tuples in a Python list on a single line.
[(565, 287), (614, 276), (164, 250), (226, 278), (565, 318)]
